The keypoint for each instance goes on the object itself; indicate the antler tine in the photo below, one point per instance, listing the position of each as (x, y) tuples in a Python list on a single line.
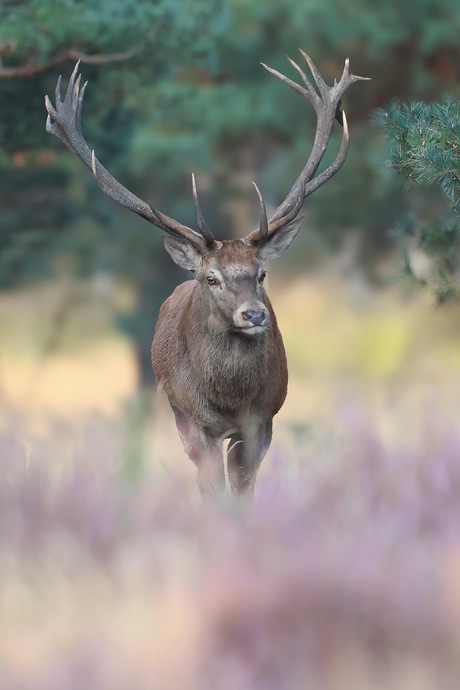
[(263, 224), (350, 78), (205, 231), (286, 80), (320, 83), (312, 95), (64, 122), (266, 229), (72, 80), (57, 90), (80, 101)]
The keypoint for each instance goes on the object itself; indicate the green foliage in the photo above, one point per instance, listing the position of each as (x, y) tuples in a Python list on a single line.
[(424, 149), (40, 28), (23, 248), (135, 41), (47, 200), (192, 92), (425, 143)]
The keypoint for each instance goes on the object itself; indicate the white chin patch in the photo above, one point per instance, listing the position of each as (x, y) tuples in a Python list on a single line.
[(252, 330)]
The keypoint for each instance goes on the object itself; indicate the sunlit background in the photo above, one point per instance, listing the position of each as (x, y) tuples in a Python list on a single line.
[(345, 572)]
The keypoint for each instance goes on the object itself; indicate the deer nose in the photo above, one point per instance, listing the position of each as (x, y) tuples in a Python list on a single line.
[(257, 318)]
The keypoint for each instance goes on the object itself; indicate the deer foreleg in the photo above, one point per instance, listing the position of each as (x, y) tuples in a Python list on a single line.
[(245, 452), (204, 451)]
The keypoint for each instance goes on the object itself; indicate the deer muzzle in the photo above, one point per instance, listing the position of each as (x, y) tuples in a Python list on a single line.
[(251, 318)]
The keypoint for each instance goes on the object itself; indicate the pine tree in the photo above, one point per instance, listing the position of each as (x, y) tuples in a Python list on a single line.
[(424, 149)]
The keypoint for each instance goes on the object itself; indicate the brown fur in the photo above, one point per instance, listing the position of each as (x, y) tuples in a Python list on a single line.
[(220, 383)]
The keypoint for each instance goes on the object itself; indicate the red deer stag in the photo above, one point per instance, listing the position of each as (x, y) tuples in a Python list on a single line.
[(217, 350)]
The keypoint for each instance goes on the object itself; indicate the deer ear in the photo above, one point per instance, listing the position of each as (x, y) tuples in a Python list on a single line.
[(274, 245), (182, 253)]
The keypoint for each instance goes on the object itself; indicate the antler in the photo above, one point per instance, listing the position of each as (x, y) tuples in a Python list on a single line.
[(326, 101), (64, 121)]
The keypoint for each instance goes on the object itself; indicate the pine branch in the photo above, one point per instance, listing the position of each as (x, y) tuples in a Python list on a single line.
[(424, 148)]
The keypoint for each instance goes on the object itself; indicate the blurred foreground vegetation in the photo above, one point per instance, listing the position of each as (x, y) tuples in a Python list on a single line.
[(345, 573)]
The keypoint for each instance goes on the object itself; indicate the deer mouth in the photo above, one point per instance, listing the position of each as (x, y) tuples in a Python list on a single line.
[(251, 318), (251, 329)]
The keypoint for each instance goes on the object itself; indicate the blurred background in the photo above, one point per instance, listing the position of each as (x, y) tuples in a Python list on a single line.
[(366, 300)]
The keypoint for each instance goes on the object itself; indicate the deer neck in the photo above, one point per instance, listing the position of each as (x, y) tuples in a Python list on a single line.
[(231, 365)]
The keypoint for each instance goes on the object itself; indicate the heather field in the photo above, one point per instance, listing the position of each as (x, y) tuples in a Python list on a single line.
[(345, 573)]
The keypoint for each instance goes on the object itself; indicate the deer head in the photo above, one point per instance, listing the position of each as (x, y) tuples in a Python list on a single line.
[(231, 275)]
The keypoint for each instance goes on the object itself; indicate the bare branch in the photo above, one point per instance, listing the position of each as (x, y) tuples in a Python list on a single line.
[(31, 68)]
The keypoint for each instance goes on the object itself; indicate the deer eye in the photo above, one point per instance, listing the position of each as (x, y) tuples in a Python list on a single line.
[(262, 276), (212, 280)]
